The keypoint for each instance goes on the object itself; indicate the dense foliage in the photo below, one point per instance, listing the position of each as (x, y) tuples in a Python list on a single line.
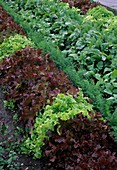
[(63, 107), (8, 156), (98, 14), (84, 5), (12, 44), (89, 42), (31, 78), (82, 144), (8, 28)]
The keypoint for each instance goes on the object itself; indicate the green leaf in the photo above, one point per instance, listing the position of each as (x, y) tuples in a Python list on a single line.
[(114, 74)]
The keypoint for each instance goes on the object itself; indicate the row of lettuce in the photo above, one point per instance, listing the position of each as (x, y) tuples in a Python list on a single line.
[(88, 42), (88, 55), (30, 81)]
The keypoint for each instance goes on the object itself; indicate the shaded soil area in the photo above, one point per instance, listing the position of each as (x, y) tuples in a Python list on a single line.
[(25, 162)]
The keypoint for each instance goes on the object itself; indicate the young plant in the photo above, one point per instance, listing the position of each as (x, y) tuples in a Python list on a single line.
[(8, 155), (63, 107), (12, 44), (8, 159), (9, 104)]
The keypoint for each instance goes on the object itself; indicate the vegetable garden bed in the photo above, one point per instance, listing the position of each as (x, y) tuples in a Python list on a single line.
[(51, 109)]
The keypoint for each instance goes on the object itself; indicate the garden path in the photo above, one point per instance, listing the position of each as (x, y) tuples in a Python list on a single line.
[(109, 3)]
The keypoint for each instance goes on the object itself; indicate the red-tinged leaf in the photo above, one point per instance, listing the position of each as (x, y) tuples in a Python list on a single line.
[(69, 167), (53, 159), (98, 147), (112, 158), (102, 160), (94, 155), (84, 5), (47, 152), (84, 166), (60, 140), (76, 145), (80, 149), (8, 28), (31, 79)]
